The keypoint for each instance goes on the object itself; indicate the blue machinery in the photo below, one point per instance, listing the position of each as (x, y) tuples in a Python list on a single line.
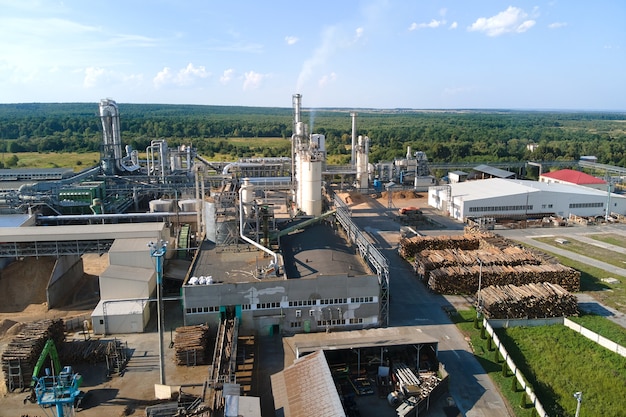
[(61, 391)]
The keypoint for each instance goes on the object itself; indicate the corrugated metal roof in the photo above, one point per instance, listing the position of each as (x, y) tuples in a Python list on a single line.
[(363, 338), (500, 187), (306, 389), (494, 172), (575, 177)]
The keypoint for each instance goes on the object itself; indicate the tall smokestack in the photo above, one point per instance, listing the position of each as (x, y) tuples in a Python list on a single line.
[(298, 126), (353, 147)]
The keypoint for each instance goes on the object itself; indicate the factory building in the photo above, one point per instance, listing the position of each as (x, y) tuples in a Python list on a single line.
[(570, 176), (519, 199)]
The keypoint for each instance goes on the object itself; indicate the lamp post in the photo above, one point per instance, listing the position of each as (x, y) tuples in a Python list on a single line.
[(579, 397), (480, 283), (157, 251)]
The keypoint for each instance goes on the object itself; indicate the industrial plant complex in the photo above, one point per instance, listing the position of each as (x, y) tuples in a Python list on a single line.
[(258, 247)]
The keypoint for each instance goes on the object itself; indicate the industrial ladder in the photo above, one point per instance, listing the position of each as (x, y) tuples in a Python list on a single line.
[(16, 380)]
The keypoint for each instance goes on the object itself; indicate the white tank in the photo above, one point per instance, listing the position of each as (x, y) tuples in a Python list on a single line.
[(247, 196), (362, 162), (187, 205), (311, 187), (298, 178), (318, 141), (160, 206)]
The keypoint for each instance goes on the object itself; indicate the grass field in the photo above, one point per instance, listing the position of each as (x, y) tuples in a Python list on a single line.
[(610, 294), (610, 238), (603, 327), (557, 362), (76, 161)]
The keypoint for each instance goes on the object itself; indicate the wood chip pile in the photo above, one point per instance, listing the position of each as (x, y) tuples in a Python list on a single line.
[(531, 301), (462, 279), (191, 344), (26, 347)]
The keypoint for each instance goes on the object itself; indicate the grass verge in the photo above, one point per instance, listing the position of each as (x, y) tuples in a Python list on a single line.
[(492, 363), (557, 362), (591, 279)]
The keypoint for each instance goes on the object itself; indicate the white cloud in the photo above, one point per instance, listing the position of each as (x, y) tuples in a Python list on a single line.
[(92, 75), (453, 25), (431, 25), (184, 77), (291, 40), (512, 20), (227, 76), (326, 79), (252, 80), (359, 33), (557, 25)]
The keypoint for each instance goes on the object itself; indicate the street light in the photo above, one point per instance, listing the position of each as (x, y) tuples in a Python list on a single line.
[(579, 397), (480, 283), (157, 251)]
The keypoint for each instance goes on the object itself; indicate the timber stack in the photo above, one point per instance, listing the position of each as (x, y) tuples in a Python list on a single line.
[(26, 347), (428, 260), (409, 247), (190, 344), (538, 300), (463, 279)]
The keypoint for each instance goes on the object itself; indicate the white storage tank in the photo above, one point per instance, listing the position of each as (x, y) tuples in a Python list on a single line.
[(311, 186), (187, 206), (160, 206)]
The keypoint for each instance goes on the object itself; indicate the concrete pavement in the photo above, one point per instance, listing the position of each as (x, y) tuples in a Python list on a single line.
[(411, 304)]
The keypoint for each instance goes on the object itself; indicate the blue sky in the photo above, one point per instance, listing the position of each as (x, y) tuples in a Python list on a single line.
[(427, 54)]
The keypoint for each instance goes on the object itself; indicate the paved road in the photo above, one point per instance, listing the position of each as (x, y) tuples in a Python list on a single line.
[(412, 304), (585, 301)]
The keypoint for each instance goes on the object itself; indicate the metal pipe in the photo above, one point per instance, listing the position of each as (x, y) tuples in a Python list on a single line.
[(116, 215), (247, 239)]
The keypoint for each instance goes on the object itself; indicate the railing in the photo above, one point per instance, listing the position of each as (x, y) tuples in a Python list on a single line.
[(368, 252), (516, 372)]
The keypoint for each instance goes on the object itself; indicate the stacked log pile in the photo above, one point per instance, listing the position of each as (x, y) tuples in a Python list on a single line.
[(83, 351), (532, 301), (410, 247), (428, 260), (460, 279), (27, 346), (191, 344)]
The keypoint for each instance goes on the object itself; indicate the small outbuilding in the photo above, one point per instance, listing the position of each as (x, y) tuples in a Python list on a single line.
[(114, 317)]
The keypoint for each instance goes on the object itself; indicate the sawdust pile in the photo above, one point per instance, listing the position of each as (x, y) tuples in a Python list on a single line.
[(24, 282), (401, 195)]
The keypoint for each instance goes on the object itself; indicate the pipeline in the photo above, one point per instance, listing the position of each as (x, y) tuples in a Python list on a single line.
[(247, 239)]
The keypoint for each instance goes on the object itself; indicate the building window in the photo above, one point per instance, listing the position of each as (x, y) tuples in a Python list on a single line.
[(298, 313)]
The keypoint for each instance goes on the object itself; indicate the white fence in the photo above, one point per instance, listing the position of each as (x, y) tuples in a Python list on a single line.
[(491, 324), (516, 372), (601, 340)]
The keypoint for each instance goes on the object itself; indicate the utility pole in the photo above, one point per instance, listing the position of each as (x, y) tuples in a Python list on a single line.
[(157, 251), (579, 397)]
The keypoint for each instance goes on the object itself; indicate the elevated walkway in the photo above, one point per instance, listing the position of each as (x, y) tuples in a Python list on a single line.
[(16, 242)]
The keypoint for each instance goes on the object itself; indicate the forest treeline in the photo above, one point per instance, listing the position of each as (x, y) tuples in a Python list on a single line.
[(224, 131)]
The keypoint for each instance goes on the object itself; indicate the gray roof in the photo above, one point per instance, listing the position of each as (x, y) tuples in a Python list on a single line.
[(391, 336), (494, 172)]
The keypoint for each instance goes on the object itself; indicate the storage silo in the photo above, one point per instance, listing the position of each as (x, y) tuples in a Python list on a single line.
[(160, 206), (311, 186), (187, 206)]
